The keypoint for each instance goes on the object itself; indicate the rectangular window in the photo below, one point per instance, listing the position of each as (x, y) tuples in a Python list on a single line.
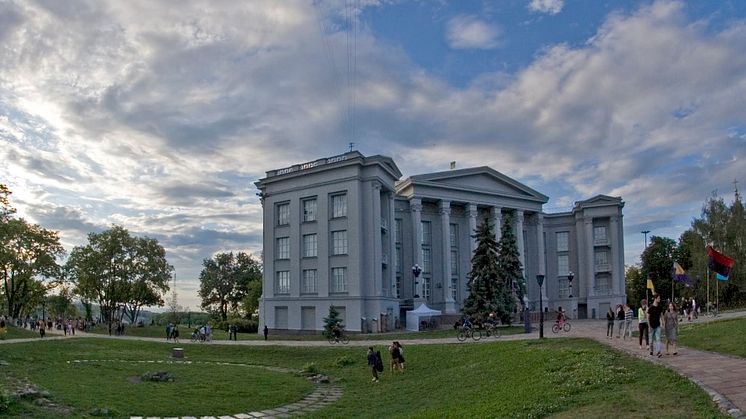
[(339, 280), (563, 265), (454, 288), (339, 242), (309, 210), (601, 258), (426, 287), (310, 245), (454, 262), (310, 282), (599, 234), (398, 259), (283, 248), (283, 214), (398, 286), (454, 235), (563, 241), (398, 230), (427, 261), (564, 288), (282, 286), (339, 205), (427, 233)]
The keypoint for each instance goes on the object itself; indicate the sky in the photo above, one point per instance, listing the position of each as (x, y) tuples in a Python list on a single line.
[(160, 116)]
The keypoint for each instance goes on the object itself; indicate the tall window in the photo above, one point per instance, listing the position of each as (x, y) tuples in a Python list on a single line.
[(427, 233), (601, 258), (599, 234), (454, 262), (283, 248), (426, 287), (427, 260), (398, 259), (454, 288), (283, 214), (339, 280), (309, 285), (398, 286), (310, 245), (339, 242), (398, 230), (563, 265), (309, 210), (282, 284), (563, 241), (454, 235), (339, 205), (564, 288)]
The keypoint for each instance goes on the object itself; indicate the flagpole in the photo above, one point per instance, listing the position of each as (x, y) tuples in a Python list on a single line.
[(708, 289)]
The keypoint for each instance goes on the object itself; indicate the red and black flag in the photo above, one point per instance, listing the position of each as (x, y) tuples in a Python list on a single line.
[(721, 264)]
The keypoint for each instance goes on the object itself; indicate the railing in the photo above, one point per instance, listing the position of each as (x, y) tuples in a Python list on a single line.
[(601, 291), (600, 241), (603, 267)]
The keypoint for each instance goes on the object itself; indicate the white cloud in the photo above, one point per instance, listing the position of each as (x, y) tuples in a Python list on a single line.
[(469, 32), (551, 7)]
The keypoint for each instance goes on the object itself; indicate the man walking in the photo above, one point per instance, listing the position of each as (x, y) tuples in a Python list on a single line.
[(654, 321), (642, 320)]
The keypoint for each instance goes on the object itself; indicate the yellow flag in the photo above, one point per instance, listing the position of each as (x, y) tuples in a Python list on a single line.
[(650, 285)]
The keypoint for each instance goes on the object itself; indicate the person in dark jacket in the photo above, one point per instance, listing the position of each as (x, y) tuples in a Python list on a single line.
[(610, 323), (372, 361), (619, 320)]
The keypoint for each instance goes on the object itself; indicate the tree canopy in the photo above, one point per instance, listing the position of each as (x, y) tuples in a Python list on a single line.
[(225, 281)]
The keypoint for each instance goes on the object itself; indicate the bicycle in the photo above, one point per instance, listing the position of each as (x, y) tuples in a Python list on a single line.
[(563, 325), (342, 338), (491, 330), (464, 334)]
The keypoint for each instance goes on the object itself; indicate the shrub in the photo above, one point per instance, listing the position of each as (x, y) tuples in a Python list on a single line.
[(344, 361), (310, 369), (244, 325)]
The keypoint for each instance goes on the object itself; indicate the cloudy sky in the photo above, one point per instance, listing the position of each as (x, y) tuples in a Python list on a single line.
[(159, 116)]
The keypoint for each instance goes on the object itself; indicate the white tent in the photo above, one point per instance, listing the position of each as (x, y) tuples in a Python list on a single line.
[(421, 312)]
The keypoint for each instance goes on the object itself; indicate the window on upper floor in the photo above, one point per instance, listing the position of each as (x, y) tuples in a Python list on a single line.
[(338, 280), (599, 234), (427, 233), (310, 248), (398, 230), (563, 265), (309, 209), (454, 235), (601, 258), (339, 242), (454, 262), (283, 248), (310, 282), (282, 282), (339, 205), (427, 260), (397, 262), (563, 241), (283, 214)]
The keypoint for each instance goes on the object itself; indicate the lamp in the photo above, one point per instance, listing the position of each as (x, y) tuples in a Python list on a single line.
[(416, 271), (570, 276), (540, 281)]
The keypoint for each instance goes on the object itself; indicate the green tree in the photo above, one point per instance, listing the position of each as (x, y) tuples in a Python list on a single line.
[(657, 264), (28, 260), (224, 281), (509, 265), (332, 320), (636, 284), (250, 303), (61, 305), (122, 273)]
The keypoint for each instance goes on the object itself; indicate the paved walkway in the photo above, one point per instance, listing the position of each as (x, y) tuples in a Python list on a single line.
[(722, 376)]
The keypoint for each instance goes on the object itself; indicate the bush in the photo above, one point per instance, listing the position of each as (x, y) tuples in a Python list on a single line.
[(344, 361), (310, 369), (244, 325)]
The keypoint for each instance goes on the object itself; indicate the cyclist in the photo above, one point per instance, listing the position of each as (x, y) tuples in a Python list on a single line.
[(336, 332), (561, 318), (467, 324)]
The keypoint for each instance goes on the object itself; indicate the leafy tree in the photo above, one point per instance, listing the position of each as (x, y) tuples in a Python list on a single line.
[(174, 308), (28, 253), (61, 305), (509, 265), (331, 321), (121, 272), (250, 303), (224, 281), (490, 278), (636, 284), (657, 264)]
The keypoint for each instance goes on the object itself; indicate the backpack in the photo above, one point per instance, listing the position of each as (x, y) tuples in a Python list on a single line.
[(379, 362)]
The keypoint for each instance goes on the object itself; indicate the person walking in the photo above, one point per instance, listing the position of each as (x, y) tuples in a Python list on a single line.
[(42, 331), (394, 353), (628, 316), (401, 356), (619, 320), (372, 361), (642, 323), (175, 334), (671, 324), (610, 323), (654, 321), (265, 331)]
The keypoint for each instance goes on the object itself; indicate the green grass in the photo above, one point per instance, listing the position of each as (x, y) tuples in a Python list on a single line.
[(725, 336), (185, 333), (563, 377), (19, 333)]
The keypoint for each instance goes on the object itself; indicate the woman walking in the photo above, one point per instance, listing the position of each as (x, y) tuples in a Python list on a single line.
[(619, 320), (610, 323), (628, 316), (671, 322), (642, 322)]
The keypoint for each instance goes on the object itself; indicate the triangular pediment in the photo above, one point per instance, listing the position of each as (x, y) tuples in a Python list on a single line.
[(481, 179), (600, 200)]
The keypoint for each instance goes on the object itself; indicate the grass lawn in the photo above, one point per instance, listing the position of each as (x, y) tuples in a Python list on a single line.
[(185, 333), (19, 333), (562, 377), (725, 336)]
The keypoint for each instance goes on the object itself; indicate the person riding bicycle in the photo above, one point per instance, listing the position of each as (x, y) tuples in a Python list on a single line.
[(336, 332), (467, 324), (561, 318)]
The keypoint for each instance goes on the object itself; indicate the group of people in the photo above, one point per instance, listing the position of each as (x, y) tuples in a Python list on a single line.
[(652, 321), (375, 361), (172, 332)]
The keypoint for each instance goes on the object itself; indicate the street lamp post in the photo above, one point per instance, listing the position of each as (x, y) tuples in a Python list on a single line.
[(416, 271), (540, 281), (570, 276), (645, 234)]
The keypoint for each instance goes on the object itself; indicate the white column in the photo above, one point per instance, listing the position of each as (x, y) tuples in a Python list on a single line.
[(614, 249), (540, 247), (415, 205), (392, 246), (377, 240), (519, 241), (471, 212), (590, 265), (445, 220), (497, 221)]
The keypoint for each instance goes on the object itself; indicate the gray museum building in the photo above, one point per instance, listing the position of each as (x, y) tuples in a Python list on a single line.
[(346, 231)]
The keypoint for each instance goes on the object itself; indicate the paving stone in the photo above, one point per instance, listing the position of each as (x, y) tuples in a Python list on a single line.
[(225, 417), (242, 416)]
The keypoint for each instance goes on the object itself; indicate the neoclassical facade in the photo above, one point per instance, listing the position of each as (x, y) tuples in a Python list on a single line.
[(345, 231)]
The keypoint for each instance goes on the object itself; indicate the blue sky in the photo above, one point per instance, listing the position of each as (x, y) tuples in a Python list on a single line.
[(160, 119)]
